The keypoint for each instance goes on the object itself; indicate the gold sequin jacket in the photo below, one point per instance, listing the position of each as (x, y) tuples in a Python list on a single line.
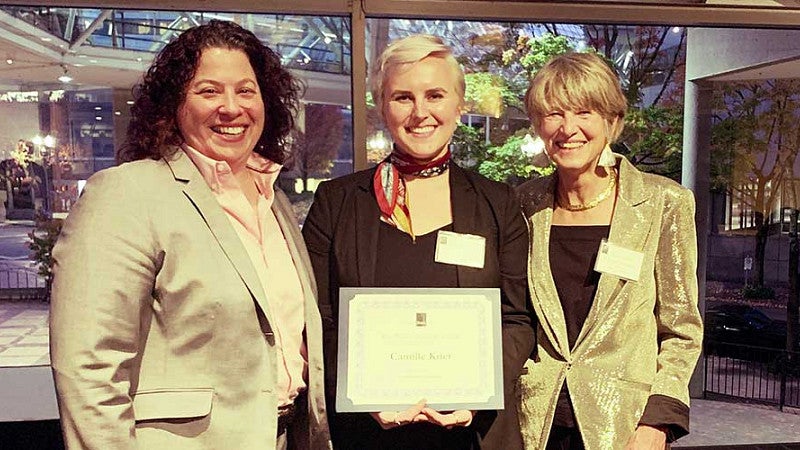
[(641, 338)]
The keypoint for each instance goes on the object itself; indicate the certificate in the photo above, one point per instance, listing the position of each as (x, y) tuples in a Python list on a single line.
[(400, 345)]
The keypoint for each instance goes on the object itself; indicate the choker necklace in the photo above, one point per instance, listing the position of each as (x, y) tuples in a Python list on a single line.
[(575, 207)]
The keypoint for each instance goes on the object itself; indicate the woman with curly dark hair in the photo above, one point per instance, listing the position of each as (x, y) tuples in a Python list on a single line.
[(153, 131), (183, 309)]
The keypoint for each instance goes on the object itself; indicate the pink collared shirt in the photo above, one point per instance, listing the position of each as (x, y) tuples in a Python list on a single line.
[(263, 239)]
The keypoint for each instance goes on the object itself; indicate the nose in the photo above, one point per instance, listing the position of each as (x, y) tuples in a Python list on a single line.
[(420, 109), (230, 105), (569, 125)]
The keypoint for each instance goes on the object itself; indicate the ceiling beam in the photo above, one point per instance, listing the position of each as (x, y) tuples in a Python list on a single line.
[(319, 7), (96, 23)]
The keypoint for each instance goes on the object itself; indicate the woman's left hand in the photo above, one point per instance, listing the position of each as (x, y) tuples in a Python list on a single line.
[(459, 418), (647, 438)]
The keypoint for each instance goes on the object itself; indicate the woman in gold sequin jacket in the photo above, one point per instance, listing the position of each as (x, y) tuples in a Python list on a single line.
[(612, 275)]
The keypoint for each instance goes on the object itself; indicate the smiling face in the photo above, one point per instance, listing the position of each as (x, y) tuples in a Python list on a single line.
[(421, 107), (574, 139), (222, 115)]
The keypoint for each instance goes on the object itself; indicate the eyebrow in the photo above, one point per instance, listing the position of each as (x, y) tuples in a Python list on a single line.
[(214, 81), (427, 91)]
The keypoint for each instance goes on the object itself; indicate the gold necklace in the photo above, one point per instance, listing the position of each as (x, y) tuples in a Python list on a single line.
[(575, 207)]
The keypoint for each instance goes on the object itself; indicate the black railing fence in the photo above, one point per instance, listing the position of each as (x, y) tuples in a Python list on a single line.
[(758, 374)]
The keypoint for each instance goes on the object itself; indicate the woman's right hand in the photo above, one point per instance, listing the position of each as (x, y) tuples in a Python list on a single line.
[(392, 419)]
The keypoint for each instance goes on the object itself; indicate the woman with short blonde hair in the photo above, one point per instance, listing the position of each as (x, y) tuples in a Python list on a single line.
[(408, 51), (380, 228)]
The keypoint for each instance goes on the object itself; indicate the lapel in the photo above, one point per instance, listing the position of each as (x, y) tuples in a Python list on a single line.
[(198, 192), (464, 207), (367, 223), (538, 205), (302, 263), (630, 226)]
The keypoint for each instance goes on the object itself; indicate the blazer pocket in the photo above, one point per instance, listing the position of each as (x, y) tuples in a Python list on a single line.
[(159, 404)]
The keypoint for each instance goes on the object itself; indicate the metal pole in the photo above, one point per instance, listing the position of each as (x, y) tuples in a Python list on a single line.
[(792, 311)]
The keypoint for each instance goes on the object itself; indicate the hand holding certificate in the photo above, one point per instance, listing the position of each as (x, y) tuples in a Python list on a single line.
[(399, 345)]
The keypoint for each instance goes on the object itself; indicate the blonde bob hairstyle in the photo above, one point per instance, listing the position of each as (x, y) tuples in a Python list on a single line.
[(575, 82), (407, 51)]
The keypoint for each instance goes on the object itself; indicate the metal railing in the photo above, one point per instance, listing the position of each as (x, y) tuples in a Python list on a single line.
[(19, 283), (757, 374)]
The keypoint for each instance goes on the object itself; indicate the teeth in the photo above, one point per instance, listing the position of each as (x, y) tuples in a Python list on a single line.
[(228, 130), (570, 145), (421, 130)]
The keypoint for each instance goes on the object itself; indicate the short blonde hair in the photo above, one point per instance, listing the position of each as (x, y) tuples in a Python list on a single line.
[(577, 81), (410, 50)]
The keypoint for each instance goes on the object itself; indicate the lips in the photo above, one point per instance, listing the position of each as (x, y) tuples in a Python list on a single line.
[(229, 130), (421, 130), (570, 145)]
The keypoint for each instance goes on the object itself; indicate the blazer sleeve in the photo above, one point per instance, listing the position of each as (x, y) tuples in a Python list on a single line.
[(518, 320), (318, 234), (680, 326), (104, 274)]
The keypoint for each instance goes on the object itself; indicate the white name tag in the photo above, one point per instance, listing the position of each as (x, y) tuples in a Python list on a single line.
[(619, 261), (460, 249)]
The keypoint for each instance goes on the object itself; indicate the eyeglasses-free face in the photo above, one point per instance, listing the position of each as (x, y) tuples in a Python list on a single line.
[(222, 115)]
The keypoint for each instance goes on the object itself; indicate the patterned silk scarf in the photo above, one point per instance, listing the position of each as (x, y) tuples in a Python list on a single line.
[(390, 188)]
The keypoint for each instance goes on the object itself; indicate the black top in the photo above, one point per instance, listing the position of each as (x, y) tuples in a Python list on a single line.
[(402, 262), (573, 250)]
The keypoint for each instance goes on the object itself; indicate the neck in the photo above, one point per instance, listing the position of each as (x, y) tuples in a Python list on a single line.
[(579, 187)]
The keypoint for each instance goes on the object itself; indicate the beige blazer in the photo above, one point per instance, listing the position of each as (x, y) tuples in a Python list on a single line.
[(641, 338), (161, 334)]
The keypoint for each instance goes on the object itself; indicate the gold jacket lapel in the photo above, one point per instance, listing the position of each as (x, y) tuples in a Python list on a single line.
[(539, 211), (630, 226)]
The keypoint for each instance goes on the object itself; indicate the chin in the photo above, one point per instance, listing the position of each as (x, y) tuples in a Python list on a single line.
[(424, 154)]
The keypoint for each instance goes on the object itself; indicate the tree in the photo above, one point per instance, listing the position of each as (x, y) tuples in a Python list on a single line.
[(313, 153), (755, 125)]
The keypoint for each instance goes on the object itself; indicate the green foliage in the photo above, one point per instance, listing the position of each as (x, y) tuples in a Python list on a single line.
[(533, 54), (508, 163), (758, 292), (654, 138), (489, 94), (528, 56), (42, 240), (469, 147)]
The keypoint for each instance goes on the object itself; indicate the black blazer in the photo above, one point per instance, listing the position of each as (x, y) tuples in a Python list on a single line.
[(341, 233)]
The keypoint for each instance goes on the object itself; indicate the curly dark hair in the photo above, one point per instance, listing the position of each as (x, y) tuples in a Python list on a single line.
[(153, 130)]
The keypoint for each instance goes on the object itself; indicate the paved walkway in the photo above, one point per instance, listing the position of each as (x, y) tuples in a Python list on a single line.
[(723, 425)]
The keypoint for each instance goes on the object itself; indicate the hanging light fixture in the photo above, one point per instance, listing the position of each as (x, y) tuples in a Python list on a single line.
[(65, 78)]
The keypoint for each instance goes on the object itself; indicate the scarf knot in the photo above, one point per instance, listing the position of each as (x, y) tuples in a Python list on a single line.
[(390, 187)]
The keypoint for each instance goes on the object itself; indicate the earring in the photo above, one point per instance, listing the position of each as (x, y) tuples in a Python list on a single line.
[(534, 148), (607, 158)]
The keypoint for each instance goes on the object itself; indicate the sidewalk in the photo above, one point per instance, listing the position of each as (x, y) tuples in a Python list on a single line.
[(722, 425)]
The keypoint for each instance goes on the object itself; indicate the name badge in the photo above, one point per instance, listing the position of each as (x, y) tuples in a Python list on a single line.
[(619, 261), (460, 249)]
